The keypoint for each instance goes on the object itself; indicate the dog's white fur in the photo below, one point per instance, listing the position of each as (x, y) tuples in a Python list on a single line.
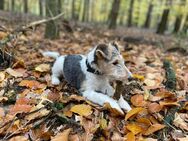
[(95, 88)]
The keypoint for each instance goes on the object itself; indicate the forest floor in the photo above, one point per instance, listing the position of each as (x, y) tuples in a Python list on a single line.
[(31, 108)]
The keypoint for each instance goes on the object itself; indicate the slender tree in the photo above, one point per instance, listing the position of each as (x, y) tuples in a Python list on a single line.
[(149, 13), (41, 7), (59, 6), (113, 14), (85, 15), (52, 27), (163, 23), (1, 4), (73, 10), (185, 26), (130, 13), (25, 6), (12, 5)]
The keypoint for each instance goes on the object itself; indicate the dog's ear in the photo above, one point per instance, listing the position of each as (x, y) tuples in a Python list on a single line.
[(115, 44), (101, 51)]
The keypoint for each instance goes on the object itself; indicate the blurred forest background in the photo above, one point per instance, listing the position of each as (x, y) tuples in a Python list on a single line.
[(160, 16)]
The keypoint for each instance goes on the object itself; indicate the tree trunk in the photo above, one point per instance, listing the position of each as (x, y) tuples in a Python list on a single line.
[(73, 10), (185, 26), (85, 11), (163, 23), (113, 14), (148, 18), (12, 5), (177, 23), (130, 13), (41, 8), (52, 27), (59, 6), (1, 4), (25, 6)]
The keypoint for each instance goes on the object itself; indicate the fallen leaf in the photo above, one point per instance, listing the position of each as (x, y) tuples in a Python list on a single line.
[(180, 122), (19, 138), (163, 103), (134, 128), (153, 128), (33, 84), (2, 76), (137, 76), (133, 112), (20, 109), (130, 137), (150, 82), (82, 109), (144, 121), (43, 68), (103, 123), (13, 73), (138, 100), (63, 136), (113, 111), (117, 137), (154, 107), (2, 112)]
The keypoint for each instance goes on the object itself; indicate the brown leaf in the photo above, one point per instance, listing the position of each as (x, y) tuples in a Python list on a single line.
[(134, 128), (20, 109), (2, 76), (154, 107), (153, 128), (63, 136), (19, 138), (82, 109), (180, 122), (133, 112), (130, 137), (138, 100), (2, 112), (14, 73), (31, 84), (164, 103)]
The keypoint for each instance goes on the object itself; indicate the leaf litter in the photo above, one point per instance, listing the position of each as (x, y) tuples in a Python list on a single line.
[(32, 108)]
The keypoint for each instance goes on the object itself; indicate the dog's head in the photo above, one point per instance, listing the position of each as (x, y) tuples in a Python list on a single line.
[(108, 60)]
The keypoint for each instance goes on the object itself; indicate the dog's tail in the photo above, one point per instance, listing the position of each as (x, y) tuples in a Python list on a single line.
[(51, 54)]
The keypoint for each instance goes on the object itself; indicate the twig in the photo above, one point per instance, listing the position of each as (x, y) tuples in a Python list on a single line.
[(30, 25)]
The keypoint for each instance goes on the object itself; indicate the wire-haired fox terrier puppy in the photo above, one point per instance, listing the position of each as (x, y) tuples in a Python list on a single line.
[(92, 74)]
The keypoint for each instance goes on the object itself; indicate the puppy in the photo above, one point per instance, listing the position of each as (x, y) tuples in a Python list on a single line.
[(92, 74)]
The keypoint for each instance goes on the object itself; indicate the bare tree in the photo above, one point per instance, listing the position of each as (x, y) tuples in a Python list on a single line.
[(52, 27), (163, 23), (1, 4), (130, 13), (113, 14), (25, 6), (149, 13)]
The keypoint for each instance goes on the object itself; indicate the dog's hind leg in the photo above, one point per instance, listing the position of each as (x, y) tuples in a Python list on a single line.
[(57, 70)]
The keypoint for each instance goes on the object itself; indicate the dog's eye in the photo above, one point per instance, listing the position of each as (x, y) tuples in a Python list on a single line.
[(115, 63)]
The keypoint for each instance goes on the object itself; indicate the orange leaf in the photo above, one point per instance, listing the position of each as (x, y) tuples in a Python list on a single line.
[(22, 101), (144, 121), (133, 112), (153, 128), (134, 128), (130, 137), (138, 100), (163, 103), (154, 107), (31, 84), (20, 109), (63, 136)]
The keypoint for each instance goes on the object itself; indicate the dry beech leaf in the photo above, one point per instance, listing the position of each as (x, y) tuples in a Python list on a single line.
[(179, 122), (137, 76), (13, 73), (103, 123), (24, 108), (153, 128), (43, 68), (134, 128), (33, 84), (82, 109), (63, 136), (138, 100), (2, 76), (19, 138), (130, 137), (154, 107), (144, 121), (133, 112), (163, 103)]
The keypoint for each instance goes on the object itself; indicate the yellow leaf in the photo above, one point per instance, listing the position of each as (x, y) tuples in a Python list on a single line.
[(14, 73), (82, 109), (135, 129), (2, 76), (153, 128), (133, 112), (63, 136), (130, 137), (103, 123), (137, 76), (43, 68)]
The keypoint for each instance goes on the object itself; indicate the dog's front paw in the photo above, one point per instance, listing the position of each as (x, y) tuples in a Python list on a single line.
[(117, 107), (55, 81), (124, 104)]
